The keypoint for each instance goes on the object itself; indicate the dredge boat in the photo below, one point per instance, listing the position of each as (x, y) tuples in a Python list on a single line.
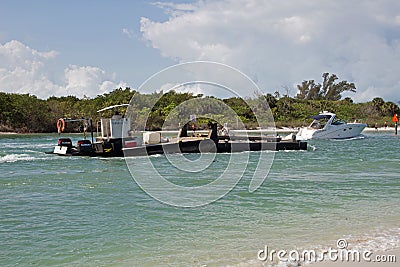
[(116, 140), (327, 125)]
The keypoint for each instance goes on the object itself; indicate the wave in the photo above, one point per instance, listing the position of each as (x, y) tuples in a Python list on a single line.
[(16, 157), (359, 137), (10, 158), (311, 147), (379, 241), (27, 145)]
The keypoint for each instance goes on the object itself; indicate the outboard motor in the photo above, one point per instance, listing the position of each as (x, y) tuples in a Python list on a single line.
[(84, 146), (65, 142)]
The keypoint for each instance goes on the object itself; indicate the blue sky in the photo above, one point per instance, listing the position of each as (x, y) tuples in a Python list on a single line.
[(86, 33), (90, 47)]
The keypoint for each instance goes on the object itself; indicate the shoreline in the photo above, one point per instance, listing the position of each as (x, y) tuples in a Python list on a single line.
[(381, 129), (277, 130)]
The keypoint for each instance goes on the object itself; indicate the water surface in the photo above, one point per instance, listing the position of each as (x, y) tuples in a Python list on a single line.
[(70, 211)]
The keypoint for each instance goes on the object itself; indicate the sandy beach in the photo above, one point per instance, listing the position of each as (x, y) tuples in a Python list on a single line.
[(390, 255), (381, 129)]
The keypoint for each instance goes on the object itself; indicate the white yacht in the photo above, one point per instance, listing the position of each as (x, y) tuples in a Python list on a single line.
[(327, 126)]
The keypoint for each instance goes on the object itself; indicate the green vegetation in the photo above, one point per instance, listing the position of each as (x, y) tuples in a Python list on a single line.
[(27, 113), (328, 90), (295, 112)]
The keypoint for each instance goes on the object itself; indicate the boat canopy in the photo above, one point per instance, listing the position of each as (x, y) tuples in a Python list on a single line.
[(321, 116), (111, 107)]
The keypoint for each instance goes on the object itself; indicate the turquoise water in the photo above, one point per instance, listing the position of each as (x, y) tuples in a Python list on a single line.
[(74, 211)]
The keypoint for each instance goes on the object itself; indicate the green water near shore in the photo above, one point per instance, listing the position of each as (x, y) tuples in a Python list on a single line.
[(70, 211)]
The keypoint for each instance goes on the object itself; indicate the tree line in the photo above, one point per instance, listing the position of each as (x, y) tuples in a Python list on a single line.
[(27, 113)]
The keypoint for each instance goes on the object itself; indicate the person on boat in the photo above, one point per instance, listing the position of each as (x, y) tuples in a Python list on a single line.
[(225, 130), (194, 130)]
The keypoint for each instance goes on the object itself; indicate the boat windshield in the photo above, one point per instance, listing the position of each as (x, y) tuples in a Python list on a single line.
[(320, 123), (338, 121)]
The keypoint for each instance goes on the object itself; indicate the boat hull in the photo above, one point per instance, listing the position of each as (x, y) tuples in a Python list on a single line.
[(345, 131), (208, 146)]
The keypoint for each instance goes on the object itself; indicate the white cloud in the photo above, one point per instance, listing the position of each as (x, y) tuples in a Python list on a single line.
[(281, 43), (128, 33), (174, 9), (26, 70), (88, 81), (22, 68), (195, 89)]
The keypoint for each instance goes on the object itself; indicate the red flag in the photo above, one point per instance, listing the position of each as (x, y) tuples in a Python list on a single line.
[(395, 118)]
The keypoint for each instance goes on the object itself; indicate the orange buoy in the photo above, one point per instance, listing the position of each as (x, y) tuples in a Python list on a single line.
[(60, 125), (395, 118)]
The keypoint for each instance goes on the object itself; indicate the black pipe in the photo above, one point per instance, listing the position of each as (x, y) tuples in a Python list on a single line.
[(214, 132), (91, 129)]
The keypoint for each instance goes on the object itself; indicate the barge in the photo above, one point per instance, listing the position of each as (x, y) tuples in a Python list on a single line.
[(116, 140), (214, 143)]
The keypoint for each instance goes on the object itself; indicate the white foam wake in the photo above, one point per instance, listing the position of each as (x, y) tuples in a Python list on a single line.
[(16, 157)]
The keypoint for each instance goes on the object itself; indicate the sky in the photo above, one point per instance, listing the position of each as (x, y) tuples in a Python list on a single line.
[(90, 47)]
